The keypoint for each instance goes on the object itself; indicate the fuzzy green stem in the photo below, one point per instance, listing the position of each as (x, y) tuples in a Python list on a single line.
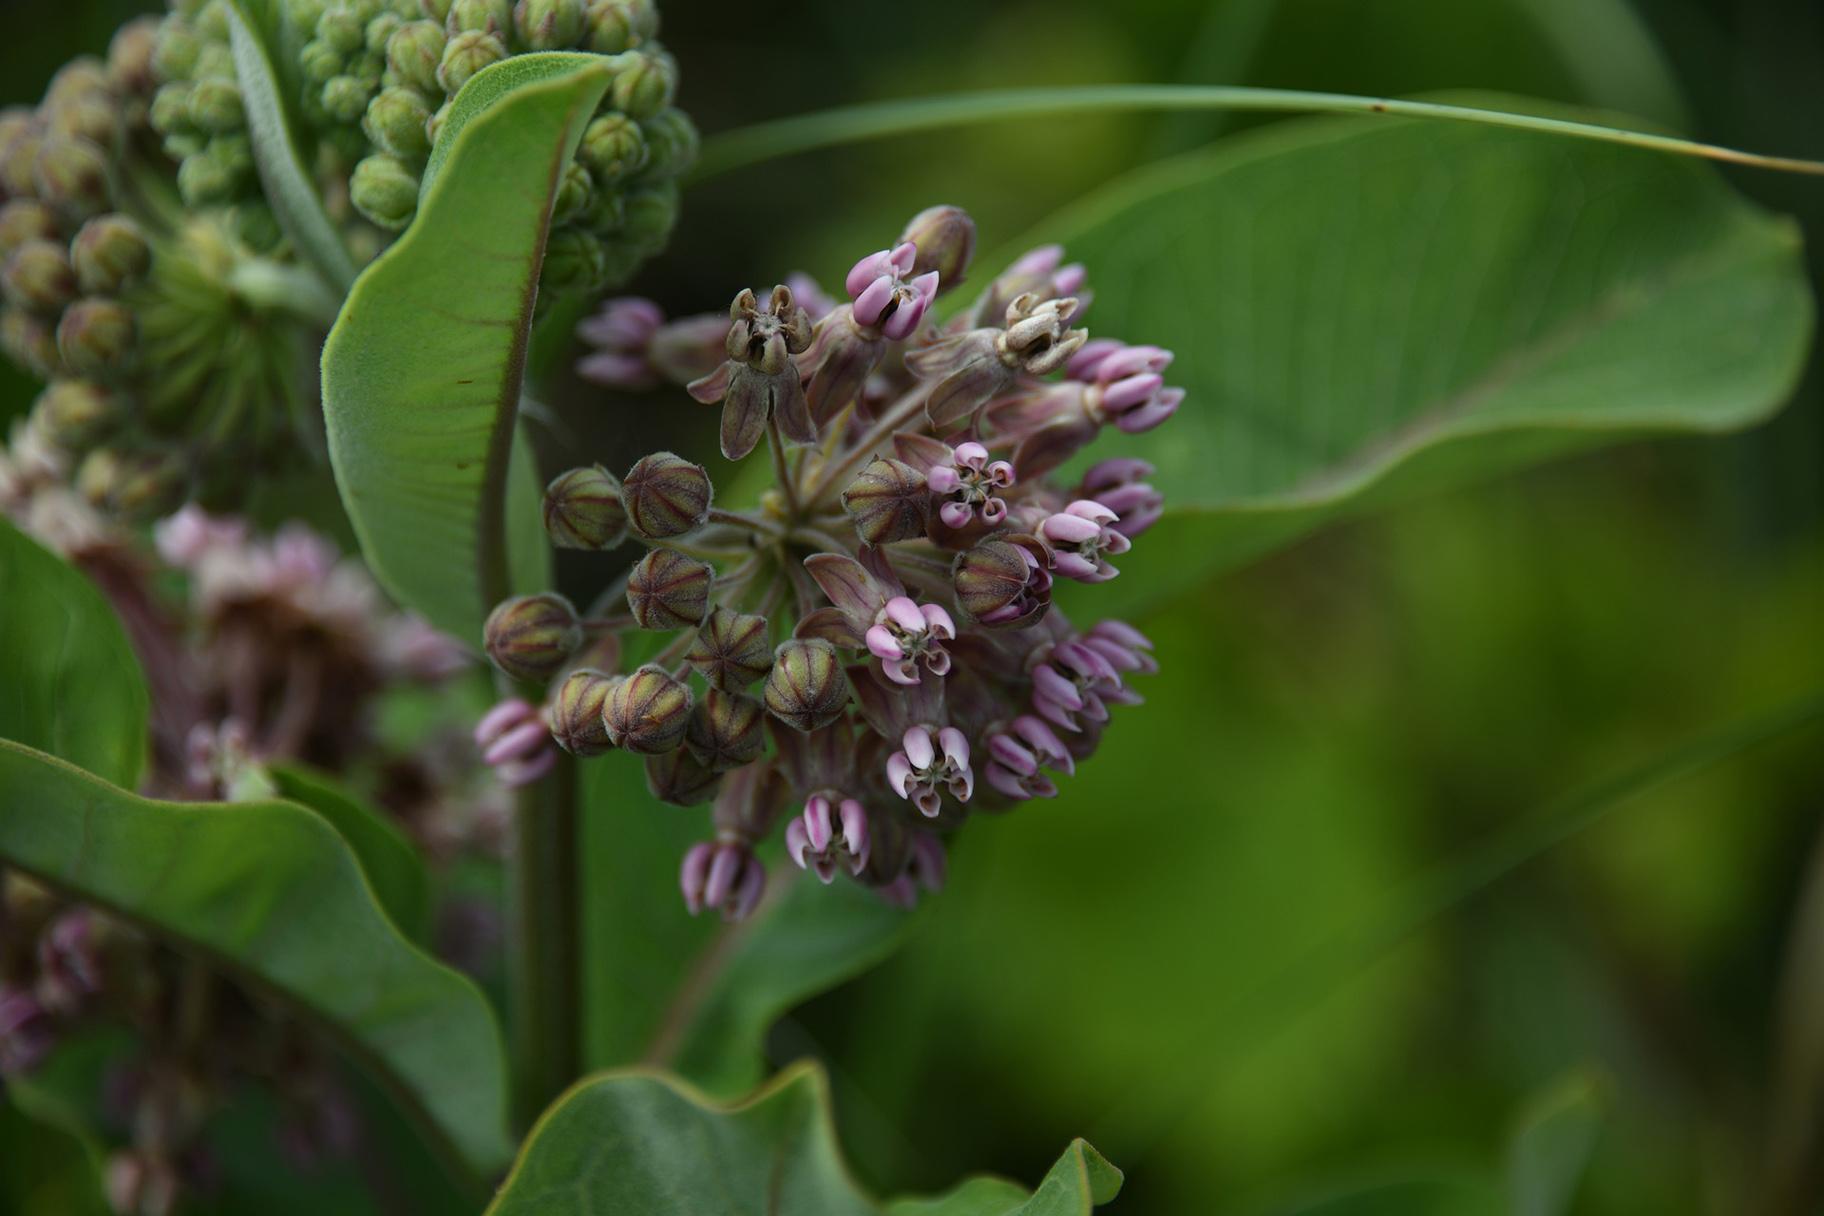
[(278, 287), (545, 958)]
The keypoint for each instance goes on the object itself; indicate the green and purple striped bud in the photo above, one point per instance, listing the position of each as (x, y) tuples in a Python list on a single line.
[(530, 636)]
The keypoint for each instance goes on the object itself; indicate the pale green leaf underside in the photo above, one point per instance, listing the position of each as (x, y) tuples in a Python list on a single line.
[(421, 374), (1366, 312), (641, 1142), (393, 867), (269, 891), (70, 683)]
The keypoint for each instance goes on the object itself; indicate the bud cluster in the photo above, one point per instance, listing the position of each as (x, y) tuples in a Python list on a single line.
[(874, 653)]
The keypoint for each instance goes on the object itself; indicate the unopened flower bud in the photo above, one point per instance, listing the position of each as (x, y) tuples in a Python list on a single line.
[(140, 484), (576, 712), (215, 106), (648, 711), (613, 146), (72, 175), (345, 97), (620, 25), (436, 10), (806, 688), (466, 54), (731, 649), (1002, 584), (75, 414), (576, 262), (29, 341), (413, 54), (888, 501), (549, 25), (38, 276), (384, 190), (515, 742), (650, 213), (666, 590), (96, 336), (487, 16), (342, 29), (644, 82), (725, 876), (726, 731), (671, 144), (203, 181), (574, 194), (583, 509), (680, 779), (25, 219), (395, 120), (530, 636), (320, 62), (95, 118), (945, 237), (130, 55), (109, 255), (666, 495)]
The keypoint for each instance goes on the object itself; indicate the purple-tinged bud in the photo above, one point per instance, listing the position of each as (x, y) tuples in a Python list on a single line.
[(38, 277), (1072, 682), (1002, 584), (1040, 272), (140, 1183), (890, 297), (726, 730), (1120, 485), (26, 1034), (623, 327), (725, 876), (141, 484), (69, 961), (930, 761), (29, 342), (515, 742), (619, 25), (843, 354), (26, 219), (130, 54), (1125, 648), (464, 55), (549, 25), (680, 779), (413, 52), (666, 590), (814, 298), (583, 509), (731, 650), (665, 495), (831, 834), (75, 414), (806, 688), (530, 636), (888, 501), (1079, 536), (71, 174), (576, 712), (97, 336), (945, 239), (761, 380), (109, 255), (648, 711), (1015, 754), (645, 82), (925, 870), (905, 635)]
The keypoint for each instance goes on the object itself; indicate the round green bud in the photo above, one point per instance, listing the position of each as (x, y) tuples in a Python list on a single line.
[(806, 689), (666, 496), (549, 25), (995, 586), (651, 214), (644, 82), (413, 53), (606, 211), (215, 106), (234, 153), (345, 98), (72, 176), (888, 501), (613, 147), (305, 14), (26, 219), (380, 31), (342, 30), (257, 227), (170, 112), (435, 125), (130, 55), (530, 636), (204, 181), (214, 60), (212, 21), (369, 67), (84, 76), (620, 25), (726, 730), (583, 509), (576, 712), (109, 253), (384, 190), (140, 484), (666, 590), (175, 53), (38, 276), (188, 143), (622, 261), (320, 62), (95, 118), (96, 337), (75, 415), (436, 10), (671, 143), (575, 261), (731, 649), (30, 342), (648, 711), (466, 54), (480, 16), (574, 194), (678, 779), (19, 159), (396, 120)]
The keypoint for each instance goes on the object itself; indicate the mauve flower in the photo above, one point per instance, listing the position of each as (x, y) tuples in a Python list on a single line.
[(906, 634), (969, 484), (1016, 753), (930, 761), (885, 297), (515, 742), (621, 331), (831, 834), (724, 875), (26, 1032), (1120, 485), (1079, 536)]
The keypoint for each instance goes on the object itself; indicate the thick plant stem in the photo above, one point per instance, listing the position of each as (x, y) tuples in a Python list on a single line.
[(544, 958)]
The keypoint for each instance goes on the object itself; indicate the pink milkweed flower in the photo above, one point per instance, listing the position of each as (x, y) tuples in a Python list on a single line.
[(69, 961), (516, 742), (724, 875), (1120, 485), (885, 299), (1079, 536), (904, 634), (1125, 648), (621, 331), (930, 761), (1016, 753), (26, 1034), (971, 486), (184, 538), (831, 834), (1073, 682)]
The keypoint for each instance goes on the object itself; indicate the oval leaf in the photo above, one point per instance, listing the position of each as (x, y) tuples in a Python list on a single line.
[(422, 372), (1363, 311), (270, 892), (393, 867), (70, 683), (642, 1142)]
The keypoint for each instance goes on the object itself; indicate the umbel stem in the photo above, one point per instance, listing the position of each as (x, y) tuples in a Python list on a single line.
[(544, 957)]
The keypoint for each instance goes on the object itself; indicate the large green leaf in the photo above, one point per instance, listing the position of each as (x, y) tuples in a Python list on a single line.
[(422, 372), (270, 893), (641, 1142), (1363, 312), (1551, 1146), (393, 867), (70, 684)]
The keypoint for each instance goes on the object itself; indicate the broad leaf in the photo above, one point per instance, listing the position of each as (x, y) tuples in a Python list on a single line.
[(1551, 1146), (422, 372), (284, 181), (45, 1171), (70, 684), (639, 1142), (1365, 311), (392, 866), (269, 892)]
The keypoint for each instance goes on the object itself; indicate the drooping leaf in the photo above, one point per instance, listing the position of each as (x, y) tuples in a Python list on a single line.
[(642, 1142), (1551, 1146), (285, 183), (393, 867), (269, 892), (70, 684), (422, 372), (45, 1171), (1365, 312)]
